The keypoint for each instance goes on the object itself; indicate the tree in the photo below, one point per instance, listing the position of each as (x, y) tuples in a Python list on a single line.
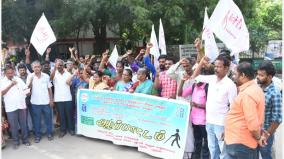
[(131, 20), (265, 24)]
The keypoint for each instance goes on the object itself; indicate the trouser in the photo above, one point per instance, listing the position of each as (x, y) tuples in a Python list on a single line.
[(266, 151), (215, 143), (65, 110), (239, 151), (16, 118), (201, 148), (38, 110)]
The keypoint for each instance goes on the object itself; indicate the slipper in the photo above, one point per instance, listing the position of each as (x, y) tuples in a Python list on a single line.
[(27, 143)]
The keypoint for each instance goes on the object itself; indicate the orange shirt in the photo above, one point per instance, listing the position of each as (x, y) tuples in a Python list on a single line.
[(246, 114)]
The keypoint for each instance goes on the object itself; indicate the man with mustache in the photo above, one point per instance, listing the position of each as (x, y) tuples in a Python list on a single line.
[(221, 93)]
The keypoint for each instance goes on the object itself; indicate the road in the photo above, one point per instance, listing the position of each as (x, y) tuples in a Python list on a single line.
[(80, 147), (73, 147)]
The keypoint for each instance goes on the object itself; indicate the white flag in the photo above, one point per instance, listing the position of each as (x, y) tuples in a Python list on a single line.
[(155, 49), (210, 48), (162, 41), (113, 57), (228, 24), (42, 35)]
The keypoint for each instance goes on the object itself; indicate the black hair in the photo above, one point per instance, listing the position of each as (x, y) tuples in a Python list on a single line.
[(191, 61), (99, 73), (129, 71), (226, 61), (171, 59), (120, 62), (76, 63), (20, 66), (80, 69), (268, 67), (162, 57), (246, 69), (45, 62), (226, 53), (8, 67)]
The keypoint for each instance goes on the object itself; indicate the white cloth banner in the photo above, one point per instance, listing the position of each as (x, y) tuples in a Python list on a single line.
[(155, 48), (211, 49), (156, 126), (228, 24), (42, 35), (162, 41), (113, 57)]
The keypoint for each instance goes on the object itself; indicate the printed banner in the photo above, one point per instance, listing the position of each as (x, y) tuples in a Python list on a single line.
[(157, 126)]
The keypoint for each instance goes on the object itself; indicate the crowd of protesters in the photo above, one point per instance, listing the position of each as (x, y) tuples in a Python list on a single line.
[(235, 110)]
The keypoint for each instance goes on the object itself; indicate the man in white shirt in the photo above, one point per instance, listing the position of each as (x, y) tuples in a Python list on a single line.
[(13, 90), (221, 92), (23, 74), (63, 98), (41, 99)]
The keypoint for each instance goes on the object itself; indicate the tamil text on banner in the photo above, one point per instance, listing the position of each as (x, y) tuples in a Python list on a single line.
[(42, 35), (155, 125), (228, 25)]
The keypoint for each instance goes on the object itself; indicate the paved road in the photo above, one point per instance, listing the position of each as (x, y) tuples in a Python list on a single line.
[(79, 147), (73, 147)]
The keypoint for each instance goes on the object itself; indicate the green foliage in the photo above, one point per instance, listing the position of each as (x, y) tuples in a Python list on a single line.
[(132, 19)]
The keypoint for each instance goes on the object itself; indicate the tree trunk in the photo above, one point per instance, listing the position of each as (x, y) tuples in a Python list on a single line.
[(100, 38), (77, 42)]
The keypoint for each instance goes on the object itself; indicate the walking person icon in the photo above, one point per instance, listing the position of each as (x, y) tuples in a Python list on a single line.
[(177, 138)]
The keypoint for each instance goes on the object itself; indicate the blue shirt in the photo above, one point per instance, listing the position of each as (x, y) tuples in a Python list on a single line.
[(77, 84), (150, 66), (273, 105)]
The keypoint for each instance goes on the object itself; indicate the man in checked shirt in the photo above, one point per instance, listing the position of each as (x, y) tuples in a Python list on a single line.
[(167, 85), (273, 105)]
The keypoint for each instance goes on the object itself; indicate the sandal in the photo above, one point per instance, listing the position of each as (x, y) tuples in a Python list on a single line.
[(27, 143), (37, 140)]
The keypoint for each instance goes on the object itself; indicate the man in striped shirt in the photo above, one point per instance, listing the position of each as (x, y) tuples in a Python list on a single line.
[(164, 83)]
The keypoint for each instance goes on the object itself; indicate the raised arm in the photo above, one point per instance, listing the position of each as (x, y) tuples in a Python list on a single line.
[(204, 61), (157, 80), (103, 61), (200, 51), (28, 55), (180, 87), (172, 72), (85, 75), (147, 60), (71, 51), (28, 59), (52, 74), (48, 50), (141, 53)]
